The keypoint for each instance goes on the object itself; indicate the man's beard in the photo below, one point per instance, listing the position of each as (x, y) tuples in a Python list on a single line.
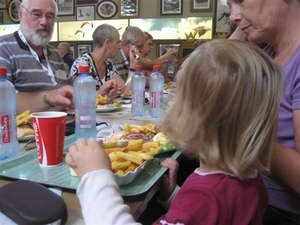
[(38, 37)]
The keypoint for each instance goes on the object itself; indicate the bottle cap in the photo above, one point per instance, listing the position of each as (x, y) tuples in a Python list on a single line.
[(156, 67), (3, 71), (138, 67), (84, 69)]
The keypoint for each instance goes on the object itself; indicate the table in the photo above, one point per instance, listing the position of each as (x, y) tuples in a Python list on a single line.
[(137, 206)]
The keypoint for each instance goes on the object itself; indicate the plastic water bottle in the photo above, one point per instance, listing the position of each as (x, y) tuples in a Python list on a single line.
[(138, 83), (156, 84), (85, 110), (9, 145)]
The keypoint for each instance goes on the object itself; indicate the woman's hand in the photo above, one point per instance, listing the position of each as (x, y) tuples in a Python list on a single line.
[(109, 88)]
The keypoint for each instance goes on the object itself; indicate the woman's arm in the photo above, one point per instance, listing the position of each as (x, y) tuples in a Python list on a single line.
[(147, 64), (285, 165)]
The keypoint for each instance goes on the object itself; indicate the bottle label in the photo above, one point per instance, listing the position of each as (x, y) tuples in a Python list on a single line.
[(5, 129), (154, 98), (85, 122)]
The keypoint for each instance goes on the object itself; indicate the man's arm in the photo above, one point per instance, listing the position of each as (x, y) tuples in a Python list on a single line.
[(59, 99)]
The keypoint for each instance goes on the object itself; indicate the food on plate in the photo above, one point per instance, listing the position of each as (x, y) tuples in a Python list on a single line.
[(166, 145), (24, 130), (23, 118), (169, 86), (132, 132), (132, 156), (101, 100), (110, 105), (23, 122), (128, 94)]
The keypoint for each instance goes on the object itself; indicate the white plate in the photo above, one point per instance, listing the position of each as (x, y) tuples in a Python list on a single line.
[(26, 138), (130, 176), (126, 96), (108, 109)]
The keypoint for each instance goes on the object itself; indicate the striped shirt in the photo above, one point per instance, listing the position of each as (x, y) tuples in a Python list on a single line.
[(122, 65), (25, 71)]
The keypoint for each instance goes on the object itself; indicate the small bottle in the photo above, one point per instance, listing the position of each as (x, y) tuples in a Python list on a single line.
[(85, 110), (9, 145), (156, 84), (138, 83)]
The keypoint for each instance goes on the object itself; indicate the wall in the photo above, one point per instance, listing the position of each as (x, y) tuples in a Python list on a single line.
[(148, 9)]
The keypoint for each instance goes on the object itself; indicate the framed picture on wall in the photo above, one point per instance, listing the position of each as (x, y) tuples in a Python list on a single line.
[(2, 4), (72, 51), (222, 17), (86, 2), (129, 8), (13, 10), (107, 9), (171, 7), (65, 7), (201, 5), (1, 17), (85, 12), (83, 48)]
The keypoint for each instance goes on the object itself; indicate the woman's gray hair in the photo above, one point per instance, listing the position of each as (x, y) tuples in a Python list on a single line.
[(25, 3), (102, 33)]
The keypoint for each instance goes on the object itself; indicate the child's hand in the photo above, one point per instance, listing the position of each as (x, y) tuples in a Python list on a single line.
[(87, 156), (168, 183)]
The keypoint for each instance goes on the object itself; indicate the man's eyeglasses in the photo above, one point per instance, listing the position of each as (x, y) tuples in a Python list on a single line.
[(51, 18)]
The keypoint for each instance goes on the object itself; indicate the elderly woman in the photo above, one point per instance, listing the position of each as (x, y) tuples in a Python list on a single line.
[(276, 23), (106, 42)]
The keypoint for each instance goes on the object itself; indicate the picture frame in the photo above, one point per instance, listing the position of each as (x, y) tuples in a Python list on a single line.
[(65, 7), (72, 51), (171, 8), (13, 10), (107, 9), (84, 13), (83, 48), (222, 21), (129, 8), (1, 17), (86, 2), (2, 4), (201, 5)]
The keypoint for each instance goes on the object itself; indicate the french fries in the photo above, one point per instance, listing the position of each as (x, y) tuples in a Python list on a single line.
[(101, 100), (130, 157), (130, 154), (23, 118), (149, 129)]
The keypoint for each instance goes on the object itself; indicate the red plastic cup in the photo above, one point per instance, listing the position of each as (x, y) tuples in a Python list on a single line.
[(49, 128)]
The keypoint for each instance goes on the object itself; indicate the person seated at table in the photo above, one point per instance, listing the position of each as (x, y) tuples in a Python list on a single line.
[(147, 64), (133, 39), (65, 52), (231, 129), (34, 67), (106, 42)]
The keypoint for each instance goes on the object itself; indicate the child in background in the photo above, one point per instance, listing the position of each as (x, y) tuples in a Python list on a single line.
[(232, 101)]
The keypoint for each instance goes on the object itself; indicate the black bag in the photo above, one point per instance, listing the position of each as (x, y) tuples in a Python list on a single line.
[(27, 202)]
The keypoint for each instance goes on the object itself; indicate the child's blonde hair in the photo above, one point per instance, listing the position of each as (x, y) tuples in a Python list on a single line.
[(226, 106)]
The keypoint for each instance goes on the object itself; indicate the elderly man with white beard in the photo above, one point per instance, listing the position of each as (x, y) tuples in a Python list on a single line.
[(35, 68)]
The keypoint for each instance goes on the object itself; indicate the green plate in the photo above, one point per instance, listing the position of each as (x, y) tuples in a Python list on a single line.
[(25, 166)]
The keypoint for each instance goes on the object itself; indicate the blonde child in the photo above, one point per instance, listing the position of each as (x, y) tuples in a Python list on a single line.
[(225, 113)]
